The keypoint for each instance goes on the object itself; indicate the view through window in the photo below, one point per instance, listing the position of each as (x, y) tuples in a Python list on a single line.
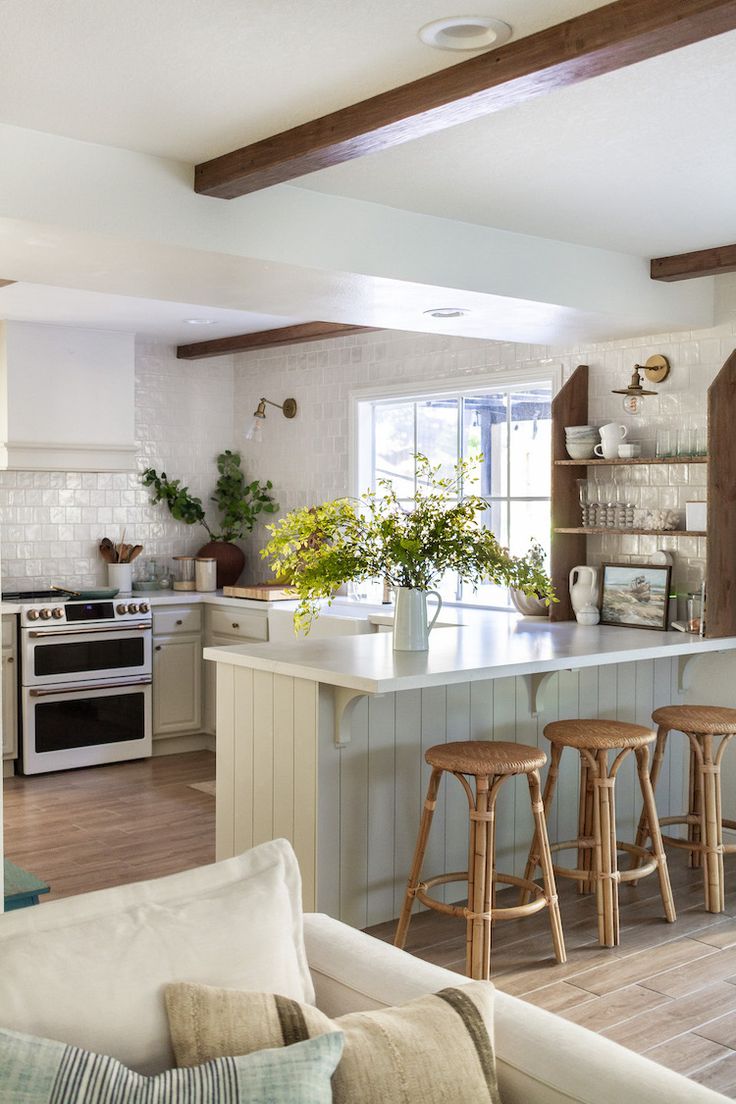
[(509, 425)]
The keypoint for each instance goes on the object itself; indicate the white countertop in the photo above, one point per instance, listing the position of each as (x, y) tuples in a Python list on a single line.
[(494, 645)]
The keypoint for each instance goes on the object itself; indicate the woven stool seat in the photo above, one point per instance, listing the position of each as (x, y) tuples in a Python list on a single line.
[(481, 757), (489, 764), (697, 718), (596, 842), (709, 729), (598, 735)]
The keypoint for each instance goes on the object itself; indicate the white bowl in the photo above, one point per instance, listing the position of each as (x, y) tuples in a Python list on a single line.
[(581, 431), (580, 451)]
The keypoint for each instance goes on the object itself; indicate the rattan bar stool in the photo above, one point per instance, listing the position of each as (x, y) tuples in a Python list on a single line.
[(490, 764), (703, 725), (596, 842)]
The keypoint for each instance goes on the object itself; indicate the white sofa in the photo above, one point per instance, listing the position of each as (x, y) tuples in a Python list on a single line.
[(90, 970)]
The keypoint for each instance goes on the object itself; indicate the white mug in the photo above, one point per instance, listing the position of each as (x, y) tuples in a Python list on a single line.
[(608, 449), (613, 431)]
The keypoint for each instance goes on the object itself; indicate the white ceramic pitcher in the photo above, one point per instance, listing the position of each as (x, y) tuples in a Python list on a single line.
[(583, 587), (611, 437), (411, 631)]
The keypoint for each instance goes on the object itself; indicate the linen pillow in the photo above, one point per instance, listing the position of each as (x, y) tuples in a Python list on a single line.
[(437, 1049), (40, 1071), (90, 970)]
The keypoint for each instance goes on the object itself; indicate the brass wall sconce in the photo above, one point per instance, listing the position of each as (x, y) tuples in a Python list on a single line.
[(255, 432), (656, 369)]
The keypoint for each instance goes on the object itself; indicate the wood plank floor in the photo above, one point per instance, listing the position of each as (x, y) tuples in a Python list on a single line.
[(103, 826), (669, 990)]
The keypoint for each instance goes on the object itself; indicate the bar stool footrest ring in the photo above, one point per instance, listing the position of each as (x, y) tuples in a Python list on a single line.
[(510, 912)]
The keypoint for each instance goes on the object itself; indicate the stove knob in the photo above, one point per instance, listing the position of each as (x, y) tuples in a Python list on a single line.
[(121, 608), (44, 614), (144, 607), (58, 612), (33, 615), (132, 608)]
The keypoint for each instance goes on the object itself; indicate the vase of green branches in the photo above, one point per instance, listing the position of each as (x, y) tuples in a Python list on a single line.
[(320, 548)]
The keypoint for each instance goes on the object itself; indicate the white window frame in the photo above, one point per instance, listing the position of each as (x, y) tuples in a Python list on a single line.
[(416, 392)]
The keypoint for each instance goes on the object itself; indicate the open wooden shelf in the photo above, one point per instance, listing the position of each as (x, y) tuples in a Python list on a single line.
[(638, 460), (636, 532)]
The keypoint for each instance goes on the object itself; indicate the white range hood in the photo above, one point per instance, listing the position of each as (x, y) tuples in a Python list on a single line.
[(67, 398)]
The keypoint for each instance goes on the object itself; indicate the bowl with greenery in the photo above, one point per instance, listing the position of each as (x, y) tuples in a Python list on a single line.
[(239, 503), (321, 548)]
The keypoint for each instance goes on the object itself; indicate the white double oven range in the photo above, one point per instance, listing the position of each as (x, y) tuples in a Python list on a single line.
[(85, 681)]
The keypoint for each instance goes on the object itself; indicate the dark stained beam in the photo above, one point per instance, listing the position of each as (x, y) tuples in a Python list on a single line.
[(600, 41), (5, 283), (688, 266), (269, 339)]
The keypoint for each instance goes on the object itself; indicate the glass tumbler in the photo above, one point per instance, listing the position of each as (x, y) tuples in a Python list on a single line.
[(665, 443)]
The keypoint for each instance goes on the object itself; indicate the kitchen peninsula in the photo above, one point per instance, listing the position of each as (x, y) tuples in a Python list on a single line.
[(322, 741)]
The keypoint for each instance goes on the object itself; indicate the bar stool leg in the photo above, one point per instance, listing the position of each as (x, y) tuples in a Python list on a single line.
[(479, 921), (585, 825), (549, 793), (606, 859), (712, 830), (659, 750), (545, 861), (695, 833), (652, 820), (430, 804)]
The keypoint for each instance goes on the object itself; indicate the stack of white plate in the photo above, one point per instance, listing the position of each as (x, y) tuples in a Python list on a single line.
[(580, 441)]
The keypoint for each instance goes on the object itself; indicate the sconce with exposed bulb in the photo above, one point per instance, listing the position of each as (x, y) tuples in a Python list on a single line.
[(656, 369), (255, 431)]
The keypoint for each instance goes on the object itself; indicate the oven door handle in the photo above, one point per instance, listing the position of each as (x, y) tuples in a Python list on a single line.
[(80, 690), (52, 633)]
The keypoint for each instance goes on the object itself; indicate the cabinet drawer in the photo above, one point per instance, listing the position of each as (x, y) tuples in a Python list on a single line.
[(172, 620), (234, 622), (8, 630)]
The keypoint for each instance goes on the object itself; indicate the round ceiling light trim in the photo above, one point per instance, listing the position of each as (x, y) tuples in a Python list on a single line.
[(465, 32), (446, 312), (200, 321)]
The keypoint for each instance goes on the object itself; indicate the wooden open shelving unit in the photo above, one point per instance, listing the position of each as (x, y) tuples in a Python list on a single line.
[(569, 547)]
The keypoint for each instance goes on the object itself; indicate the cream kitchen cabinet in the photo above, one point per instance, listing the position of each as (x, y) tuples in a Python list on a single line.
[(10, 688), (177, 670), (226, 625)]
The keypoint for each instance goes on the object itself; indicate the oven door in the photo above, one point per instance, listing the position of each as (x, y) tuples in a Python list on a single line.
[(62, 656), (85, 724)]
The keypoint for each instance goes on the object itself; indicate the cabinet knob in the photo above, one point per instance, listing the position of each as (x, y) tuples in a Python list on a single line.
[(180, 622), (236, 624), (11, 659), (157, 648)]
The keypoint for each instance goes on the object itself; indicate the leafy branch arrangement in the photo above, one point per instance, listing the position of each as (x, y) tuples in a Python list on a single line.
[(320, 548), (238, 502)]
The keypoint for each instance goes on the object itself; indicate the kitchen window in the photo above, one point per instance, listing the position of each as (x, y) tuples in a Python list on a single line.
[(508, 423)]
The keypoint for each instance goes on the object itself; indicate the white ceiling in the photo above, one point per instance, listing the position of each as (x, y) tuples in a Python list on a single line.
[(26, 302)]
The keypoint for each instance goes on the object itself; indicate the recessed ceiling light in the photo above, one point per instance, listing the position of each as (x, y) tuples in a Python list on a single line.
[(200, 321), (465, 32), (446, 312)]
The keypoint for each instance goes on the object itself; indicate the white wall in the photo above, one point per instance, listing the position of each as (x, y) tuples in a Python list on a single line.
[(52, 522)]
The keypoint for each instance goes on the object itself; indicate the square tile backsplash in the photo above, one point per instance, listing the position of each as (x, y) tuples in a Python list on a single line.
[(187, 412)]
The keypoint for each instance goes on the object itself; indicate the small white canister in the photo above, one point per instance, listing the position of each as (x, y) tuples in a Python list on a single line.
[(205, 574)]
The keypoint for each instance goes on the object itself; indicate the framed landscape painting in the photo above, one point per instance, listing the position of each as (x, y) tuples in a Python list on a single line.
[(635, 594)]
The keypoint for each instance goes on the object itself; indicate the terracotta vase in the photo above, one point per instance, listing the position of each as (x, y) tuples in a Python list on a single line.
[(230, 561)]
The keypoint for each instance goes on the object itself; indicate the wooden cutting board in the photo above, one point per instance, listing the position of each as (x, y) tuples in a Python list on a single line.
[(261, 592)]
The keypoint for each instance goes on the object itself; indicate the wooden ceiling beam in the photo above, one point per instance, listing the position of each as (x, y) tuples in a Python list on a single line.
[(269, 339), (599, 41), (688, 266), (5, 283)]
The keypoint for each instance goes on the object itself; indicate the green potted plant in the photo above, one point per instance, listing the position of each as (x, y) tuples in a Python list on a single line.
[(320, 548), (238, 501)]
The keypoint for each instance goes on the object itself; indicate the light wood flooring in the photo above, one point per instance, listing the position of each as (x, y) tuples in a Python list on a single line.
[(102, 826), (669, 990)]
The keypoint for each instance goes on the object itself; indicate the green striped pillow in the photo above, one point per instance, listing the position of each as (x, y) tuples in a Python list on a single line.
[(40, 1071), (436, 1049)]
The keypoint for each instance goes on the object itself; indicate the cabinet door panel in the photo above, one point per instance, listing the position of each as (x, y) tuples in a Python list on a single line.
[(177, 682), (10, 704)]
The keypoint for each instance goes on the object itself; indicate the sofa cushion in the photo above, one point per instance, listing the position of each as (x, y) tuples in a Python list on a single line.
[(41, 1071), (91, 970), (436, 1049)]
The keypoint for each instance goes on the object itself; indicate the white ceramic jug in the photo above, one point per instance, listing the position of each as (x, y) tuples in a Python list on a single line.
[(583, 587), (411, 631)]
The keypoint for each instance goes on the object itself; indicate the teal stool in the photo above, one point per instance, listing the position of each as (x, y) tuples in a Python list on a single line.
[(21, 888)]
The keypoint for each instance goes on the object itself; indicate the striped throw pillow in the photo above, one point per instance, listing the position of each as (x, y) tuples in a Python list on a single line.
[(40, 1071), (437, 1049)]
